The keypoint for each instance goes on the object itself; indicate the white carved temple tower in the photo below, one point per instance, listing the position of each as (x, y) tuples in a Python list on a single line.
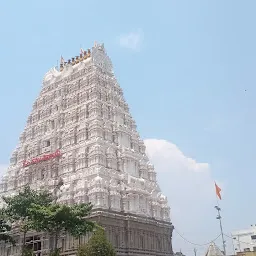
[(81, 142)]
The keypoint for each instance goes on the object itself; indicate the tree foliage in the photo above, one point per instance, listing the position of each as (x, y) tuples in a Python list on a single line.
[(37, 210), (97, 245), (79, 226), (17, 208), (5, 228), (57, 218)]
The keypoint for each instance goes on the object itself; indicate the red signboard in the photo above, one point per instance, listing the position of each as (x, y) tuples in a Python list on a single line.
[(41, 159)]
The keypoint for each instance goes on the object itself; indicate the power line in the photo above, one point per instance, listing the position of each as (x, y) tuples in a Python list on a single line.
[(196, 243)]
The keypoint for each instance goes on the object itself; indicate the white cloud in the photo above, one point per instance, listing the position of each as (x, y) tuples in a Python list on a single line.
[(190, 190), (132, 40)]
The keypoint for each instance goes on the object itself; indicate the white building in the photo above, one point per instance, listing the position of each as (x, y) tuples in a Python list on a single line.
[(245, 240), (80, 134)]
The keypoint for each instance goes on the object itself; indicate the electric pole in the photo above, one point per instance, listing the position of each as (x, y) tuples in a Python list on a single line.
[(221, 229), (195, 251)]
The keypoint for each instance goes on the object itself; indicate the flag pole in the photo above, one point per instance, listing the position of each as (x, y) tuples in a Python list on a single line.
[(221, 229), (195, 250), (217, 207)]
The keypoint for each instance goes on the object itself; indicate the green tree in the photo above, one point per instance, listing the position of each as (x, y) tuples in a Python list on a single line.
[(18, 208), (56, 219), (80, 227), (5, 228), (97, 245)]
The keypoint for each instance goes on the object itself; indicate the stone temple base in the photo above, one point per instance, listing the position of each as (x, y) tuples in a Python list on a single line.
[(135, 235), (131, 235)]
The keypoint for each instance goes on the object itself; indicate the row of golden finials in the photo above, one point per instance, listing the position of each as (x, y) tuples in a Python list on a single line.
[(83, 56)]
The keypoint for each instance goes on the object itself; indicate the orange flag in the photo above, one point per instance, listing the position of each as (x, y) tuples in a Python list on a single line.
[(218, 190)]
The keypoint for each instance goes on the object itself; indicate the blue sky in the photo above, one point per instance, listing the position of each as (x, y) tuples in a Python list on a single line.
[(187, 69)]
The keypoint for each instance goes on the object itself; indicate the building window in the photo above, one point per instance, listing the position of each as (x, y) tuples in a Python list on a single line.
[(159, 246), (142, 242), (43, 173), (47, 143), (247, 249), (116, 240), (86, 133), (33, 243), (253, 237)]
